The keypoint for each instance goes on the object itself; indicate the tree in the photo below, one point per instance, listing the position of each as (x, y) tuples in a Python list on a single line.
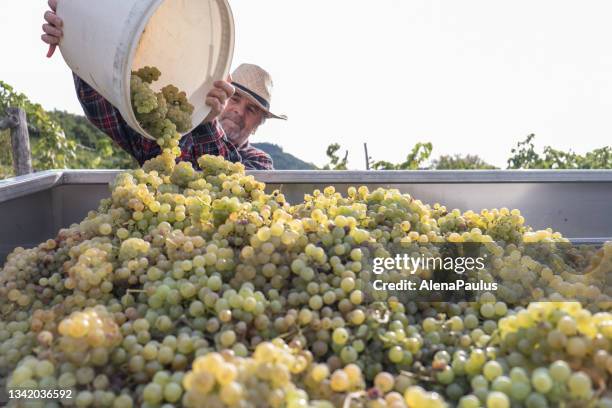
[(6, 157), (335, 163), (95, 150), (59, 140), (526, 157), (415, 159), (458, 162), (51, 149)]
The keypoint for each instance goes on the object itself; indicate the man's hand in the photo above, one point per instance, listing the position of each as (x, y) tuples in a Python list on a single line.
[(217, 98), (52, 28)]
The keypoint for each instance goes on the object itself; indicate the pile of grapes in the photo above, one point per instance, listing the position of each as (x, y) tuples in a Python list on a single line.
[(200, 289)]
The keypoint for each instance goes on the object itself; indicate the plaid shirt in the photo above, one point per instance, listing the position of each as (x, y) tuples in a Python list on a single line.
[(207, 138), (254, 158)]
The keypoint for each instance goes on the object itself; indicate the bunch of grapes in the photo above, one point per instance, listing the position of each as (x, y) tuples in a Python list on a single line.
[(90, 267), (503, 224), (147, 74), (179, 108), (418, 397), (162, 114), (33, 374), (265, 379), (549, 331), (144, 99), (88, 335)]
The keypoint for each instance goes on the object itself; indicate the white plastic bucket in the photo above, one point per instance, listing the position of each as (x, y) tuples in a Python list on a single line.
[(190, 41)]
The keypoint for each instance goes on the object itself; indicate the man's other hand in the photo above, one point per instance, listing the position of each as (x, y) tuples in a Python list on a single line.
[(52, 28), (217, 98)]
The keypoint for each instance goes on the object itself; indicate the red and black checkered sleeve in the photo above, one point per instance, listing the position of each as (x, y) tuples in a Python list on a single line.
[(256, 159), (103, 115)]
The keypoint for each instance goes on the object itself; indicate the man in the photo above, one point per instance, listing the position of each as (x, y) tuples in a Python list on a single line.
[(238, 107), (246, 110)]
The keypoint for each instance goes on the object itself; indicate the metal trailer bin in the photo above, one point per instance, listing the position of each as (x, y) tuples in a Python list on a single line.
[(577, 203)]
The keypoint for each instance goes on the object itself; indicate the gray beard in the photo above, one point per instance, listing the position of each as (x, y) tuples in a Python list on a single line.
[(232, 135)]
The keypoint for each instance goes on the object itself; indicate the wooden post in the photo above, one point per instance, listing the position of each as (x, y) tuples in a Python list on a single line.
[(17, 122), (367, 156)]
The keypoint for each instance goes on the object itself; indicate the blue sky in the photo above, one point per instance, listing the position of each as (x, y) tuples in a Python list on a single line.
[(469, 76)]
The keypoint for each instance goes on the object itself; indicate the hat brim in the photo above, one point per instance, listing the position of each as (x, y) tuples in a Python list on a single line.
[(263, 108)]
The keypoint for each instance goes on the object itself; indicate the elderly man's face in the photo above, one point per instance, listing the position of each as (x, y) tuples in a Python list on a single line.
[(240, 119)]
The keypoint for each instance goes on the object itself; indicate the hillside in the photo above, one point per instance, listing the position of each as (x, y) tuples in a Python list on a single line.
[(283, 160)]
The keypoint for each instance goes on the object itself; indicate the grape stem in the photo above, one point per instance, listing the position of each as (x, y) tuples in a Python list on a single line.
[(186, 322), (602, 388), (417, 376), (203, 202), (290, 333), (350, 397), (494, 336), (380, 313)]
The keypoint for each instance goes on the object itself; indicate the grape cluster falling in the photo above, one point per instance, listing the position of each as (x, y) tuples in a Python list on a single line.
[(200, 289)]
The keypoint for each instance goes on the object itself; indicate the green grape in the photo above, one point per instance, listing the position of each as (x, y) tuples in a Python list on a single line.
[(153, 393), (396, 354), (469, 401), (502, 384), (492, 370), (446, 376), (541, 380), (519, 390), (497, 399), (479, 381), (560, 371), (535, 400), (172, 392), (340, 336), (579, 385), (339, 381), (84, 399), (384, 381)]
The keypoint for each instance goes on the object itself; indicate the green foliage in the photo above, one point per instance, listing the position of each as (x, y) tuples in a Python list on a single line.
[(524, 154), (59, 140), (335, 163), (77, 127), (95, 150), (283, 160), (419, 154), (459, 162), (526, 157), (51, 149), (6, 157)]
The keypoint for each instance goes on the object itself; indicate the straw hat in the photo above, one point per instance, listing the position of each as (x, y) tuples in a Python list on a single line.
[(255, 83)]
